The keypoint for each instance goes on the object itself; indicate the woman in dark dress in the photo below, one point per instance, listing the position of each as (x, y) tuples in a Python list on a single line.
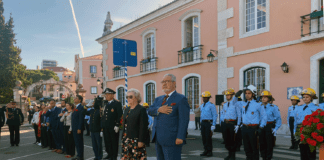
[(135, 128)]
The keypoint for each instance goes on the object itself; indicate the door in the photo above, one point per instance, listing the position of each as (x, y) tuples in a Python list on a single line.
[(321, 80)]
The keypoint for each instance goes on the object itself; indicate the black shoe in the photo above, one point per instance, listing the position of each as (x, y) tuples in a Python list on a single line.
[(35, 143), (291, 147), (17, 145), (12, 145), (196, 129), (204, 153), (209, 154)]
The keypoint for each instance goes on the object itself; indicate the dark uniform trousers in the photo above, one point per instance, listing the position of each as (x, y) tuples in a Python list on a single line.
[(206, 135), (97, 144), (266, 142), (305, 153), (250, 142), (36, 132), (79, 144), (229, 134), (69, 142), (111, 139), (44, 136), (14, 134), (223, 129), (50, 141), (291, 127), (238, 138), (197, 122)]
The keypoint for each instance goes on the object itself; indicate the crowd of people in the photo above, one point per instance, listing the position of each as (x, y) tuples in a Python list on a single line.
[(253, 123)]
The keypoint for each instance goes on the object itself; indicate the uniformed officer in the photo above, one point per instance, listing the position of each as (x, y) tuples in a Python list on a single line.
[(290, 119), (301, 112), (112, 113), (254, 118), (268, 132), (238, 138), (221, 118), (321, 106), (208, 119), (232, 119), (15, 118)]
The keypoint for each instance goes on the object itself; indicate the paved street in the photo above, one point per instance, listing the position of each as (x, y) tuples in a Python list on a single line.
[(29, 151)]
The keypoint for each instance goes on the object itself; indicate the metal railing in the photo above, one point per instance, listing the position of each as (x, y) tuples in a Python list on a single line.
[(119, 72), (148, 65), (307, 20), (190, 54)]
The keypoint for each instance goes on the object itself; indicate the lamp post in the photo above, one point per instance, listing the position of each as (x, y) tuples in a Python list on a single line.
[(20, 92), (210, 56)]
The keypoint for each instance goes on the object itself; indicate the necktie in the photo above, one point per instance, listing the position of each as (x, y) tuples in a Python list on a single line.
[(204, 104), (164, 99), (247, 106), (305, 107), (229, 104), (294, 108)]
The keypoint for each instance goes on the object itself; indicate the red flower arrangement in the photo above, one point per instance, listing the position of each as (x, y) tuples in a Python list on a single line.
[(312, 130)]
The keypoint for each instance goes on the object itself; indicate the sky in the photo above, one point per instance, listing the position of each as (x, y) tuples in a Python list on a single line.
[(45, 29)]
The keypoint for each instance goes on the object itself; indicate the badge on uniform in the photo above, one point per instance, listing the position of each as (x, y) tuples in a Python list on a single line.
[(252, 113), (243, 106), (112, 110)]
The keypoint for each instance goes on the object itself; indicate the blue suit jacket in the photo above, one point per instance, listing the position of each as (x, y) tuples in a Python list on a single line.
[(168, 127), (54, 119), (78, 119)]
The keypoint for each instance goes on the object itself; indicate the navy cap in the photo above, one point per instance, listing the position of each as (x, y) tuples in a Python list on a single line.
[(108, 91)]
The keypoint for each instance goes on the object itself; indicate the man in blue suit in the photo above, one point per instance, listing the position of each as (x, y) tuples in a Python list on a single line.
[(54, 125), (171, 117), (78, 126)]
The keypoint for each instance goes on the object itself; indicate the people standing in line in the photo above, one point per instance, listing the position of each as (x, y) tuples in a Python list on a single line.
[(268, 132), (54, 119), (35, 123), (254, 118), (87, 118), (149, 127), (31, 112), (78, 127), (2, 118), (232, 119), (95, 128), (197, 117), (68, 136), (290, 119), (110, 121), (301, 112), (15, 118), (135, 128), (171, 118), (208, 120)]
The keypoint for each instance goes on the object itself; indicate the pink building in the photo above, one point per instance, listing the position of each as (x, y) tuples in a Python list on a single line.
[(88, 71), (250, 39)]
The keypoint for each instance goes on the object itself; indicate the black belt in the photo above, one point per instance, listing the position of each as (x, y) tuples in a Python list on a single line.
[(291, 118), (207, 120)]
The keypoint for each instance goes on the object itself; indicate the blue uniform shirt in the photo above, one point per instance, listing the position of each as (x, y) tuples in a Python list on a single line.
[(300, 113), (321, 106), (273, 114), (255, 114), (291, 112), (232, 111), (222, 115), (208, 112)]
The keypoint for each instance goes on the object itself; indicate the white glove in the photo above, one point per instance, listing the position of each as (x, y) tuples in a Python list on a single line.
[(101, 134), (241, 125), (212, 128), (236, 128), (274, 132), (116, 129)]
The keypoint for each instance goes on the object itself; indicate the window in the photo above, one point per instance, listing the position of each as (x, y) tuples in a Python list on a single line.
[(255, 14), (61, 88), (255, 76), (93, 90), (150, 46), (121, 95), (192, 91), (51, 88), (192, 32), (93, 69), (150, 93)]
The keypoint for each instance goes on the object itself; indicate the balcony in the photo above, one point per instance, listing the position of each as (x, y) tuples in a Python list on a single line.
[(190, 54), (148, 65), (119, 72), (312, 26)]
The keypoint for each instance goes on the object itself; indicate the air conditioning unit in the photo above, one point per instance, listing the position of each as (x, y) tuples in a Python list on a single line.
[(93, 75)]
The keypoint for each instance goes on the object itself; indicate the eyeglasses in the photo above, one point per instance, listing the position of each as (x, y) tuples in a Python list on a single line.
[(129, 97), (167, 81)]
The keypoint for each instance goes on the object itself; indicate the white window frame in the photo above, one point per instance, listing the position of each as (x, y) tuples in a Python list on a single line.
[(183, 18), (91, 90), (184, 85), (256, 64), (144, 89), (149, 32), (242, 24), (91, 68)]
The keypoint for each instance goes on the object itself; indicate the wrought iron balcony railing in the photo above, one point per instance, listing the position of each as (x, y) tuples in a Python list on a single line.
[(148, 64), (119, 72), (190, 54), (307, 29)]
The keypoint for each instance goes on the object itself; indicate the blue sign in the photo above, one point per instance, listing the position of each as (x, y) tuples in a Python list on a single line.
[(294, 91), (124, 51)]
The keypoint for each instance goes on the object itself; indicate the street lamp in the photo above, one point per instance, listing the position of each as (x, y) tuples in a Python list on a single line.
[(20, 92), (210, 56), (57, 92), (98, 81), (285, 67)]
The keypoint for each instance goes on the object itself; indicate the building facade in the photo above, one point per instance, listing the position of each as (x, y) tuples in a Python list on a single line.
[(49, 63), (250, 39), (88, 72)]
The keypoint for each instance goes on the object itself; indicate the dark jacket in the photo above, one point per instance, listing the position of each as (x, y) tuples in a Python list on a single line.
[(95, 120), (112, 115), (15, 116), (54, 118), (137, 123), (2, 117), (78, 118)]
